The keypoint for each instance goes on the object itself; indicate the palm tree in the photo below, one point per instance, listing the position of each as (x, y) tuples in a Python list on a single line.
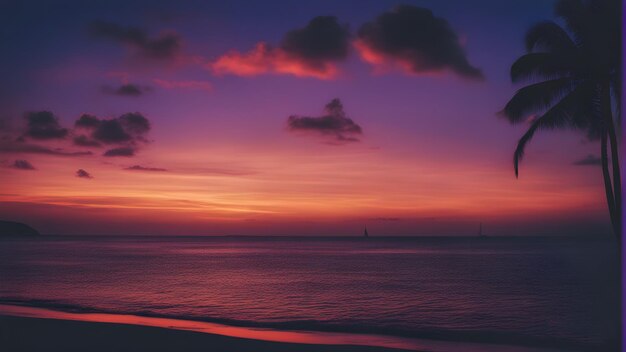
[(574, 75)]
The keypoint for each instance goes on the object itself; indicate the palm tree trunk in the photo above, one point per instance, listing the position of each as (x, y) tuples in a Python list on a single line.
[(608, 185), (617, 181)]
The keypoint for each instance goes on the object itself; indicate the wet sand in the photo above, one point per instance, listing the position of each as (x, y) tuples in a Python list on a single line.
[(24, 328), (51, 335)]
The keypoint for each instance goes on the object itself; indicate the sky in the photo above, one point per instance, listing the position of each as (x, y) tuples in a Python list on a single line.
[(280, 118)]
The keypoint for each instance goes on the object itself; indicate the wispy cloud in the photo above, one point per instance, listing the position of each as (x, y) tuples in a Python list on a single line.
[(165, 46), (144, 168), (127, 90), (23, 165), (121, 151), (27, 148), (589, 160), (167, 84)]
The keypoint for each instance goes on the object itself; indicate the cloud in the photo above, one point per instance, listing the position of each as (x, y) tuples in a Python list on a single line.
[(416, 41), (143, 168), (129, 128), (322, 40), (124, 135), (311, 51), (85, 141), (121, 151), (23, 165), (165, 46), (43, 125), (202, 85), (27, 148), (126, 90), (87, 121), (589, 160), (135, 123), (110, 132), (83, 174), (333, 123)]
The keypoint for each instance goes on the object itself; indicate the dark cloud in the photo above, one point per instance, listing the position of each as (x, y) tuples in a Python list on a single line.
[(121, 151), (43, 125), (111, 132), (144, 168), (83, 174), (164, 47), (413, 38), (124, 134), (87, 121), (27, 148), (23, 165), (135, 123), (311, 51), (333, 123), (589, 160), (322, 39), (126, 90), (129, 128), (85, 141)]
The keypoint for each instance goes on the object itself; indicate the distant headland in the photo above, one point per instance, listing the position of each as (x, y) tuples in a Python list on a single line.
[(16, 229)]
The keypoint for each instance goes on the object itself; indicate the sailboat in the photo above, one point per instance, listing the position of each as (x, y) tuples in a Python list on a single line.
[(365, 234), (480, 230)]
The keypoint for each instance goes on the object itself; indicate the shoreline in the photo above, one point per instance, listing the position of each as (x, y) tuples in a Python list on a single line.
[(57, 335), (130, 332)]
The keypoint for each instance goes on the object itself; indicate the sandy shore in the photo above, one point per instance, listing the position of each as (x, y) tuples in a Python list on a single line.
[(36, 334), (25, 329)]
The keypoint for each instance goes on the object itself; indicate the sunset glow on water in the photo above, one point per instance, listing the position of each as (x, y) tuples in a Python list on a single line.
[(442, 289)]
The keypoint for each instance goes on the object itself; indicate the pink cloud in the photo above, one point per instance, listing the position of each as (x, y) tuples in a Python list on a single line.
[(264, 59), (382, 63)]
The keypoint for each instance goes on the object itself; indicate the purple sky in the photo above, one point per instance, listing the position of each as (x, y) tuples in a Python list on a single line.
[(415, 148)]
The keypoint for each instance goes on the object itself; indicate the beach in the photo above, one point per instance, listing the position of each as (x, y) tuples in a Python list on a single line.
[(36, 334), (39, 329)]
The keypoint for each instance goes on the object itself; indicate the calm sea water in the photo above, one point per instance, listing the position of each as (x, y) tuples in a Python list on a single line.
[(558, 292)]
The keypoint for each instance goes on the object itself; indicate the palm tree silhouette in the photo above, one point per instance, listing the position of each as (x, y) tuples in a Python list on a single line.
[(575, 77)]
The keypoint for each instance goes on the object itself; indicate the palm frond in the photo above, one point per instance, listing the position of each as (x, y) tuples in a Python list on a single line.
[(595, 24), (536, 97), (549, 36), (558, 116), (521, 145), (544, 66), (573, 12), (565, 113), (587, 115)]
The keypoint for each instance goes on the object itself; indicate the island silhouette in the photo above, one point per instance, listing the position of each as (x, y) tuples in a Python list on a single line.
[(16, 229)]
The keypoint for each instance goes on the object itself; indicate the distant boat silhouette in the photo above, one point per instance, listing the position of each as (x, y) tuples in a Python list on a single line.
[(365, 234), (480, 230)]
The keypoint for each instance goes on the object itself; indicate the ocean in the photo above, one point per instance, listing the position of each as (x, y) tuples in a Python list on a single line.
[(549, 292)]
